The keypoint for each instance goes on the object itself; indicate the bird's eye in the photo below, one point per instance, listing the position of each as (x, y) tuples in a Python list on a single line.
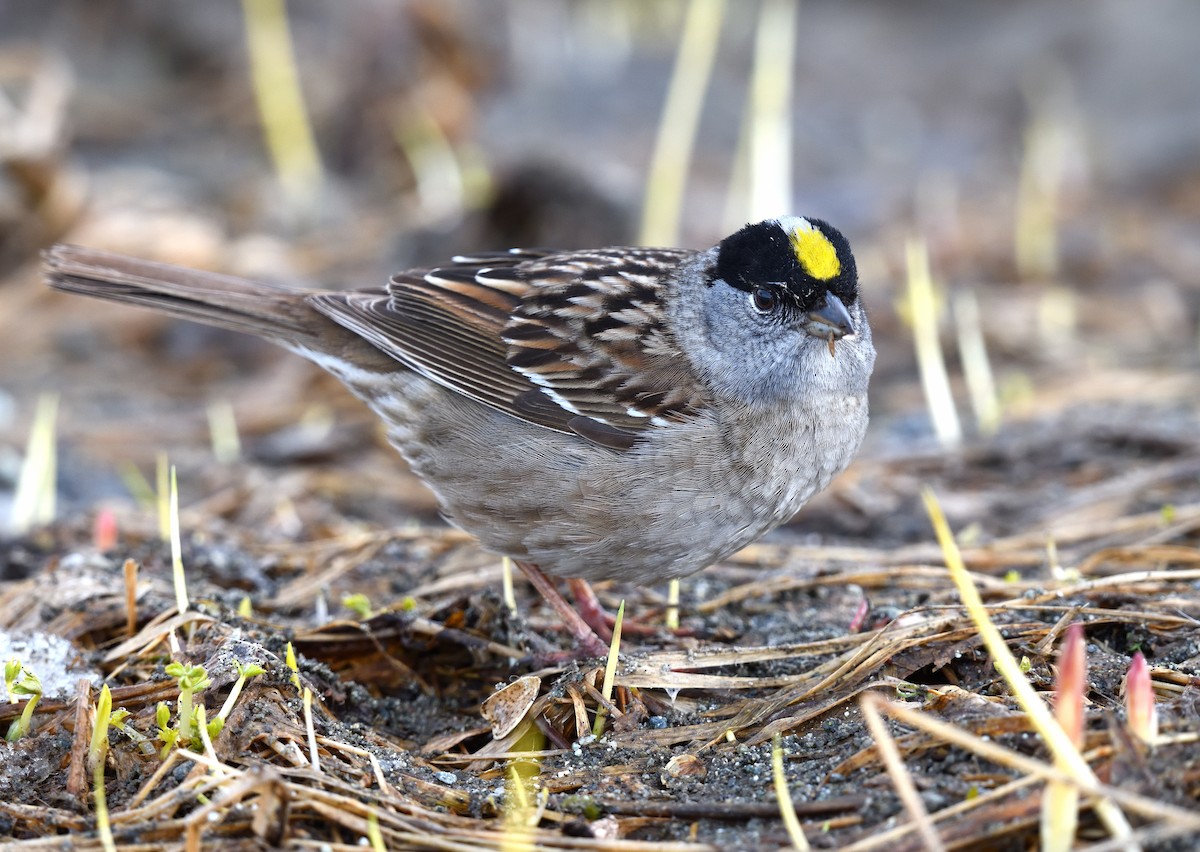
[(765, 299)]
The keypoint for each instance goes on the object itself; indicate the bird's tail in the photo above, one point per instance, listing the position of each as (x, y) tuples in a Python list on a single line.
[(279, 314)]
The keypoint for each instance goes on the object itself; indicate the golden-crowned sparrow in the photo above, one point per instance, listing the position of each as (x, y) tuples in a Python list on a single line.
[(630, 413)]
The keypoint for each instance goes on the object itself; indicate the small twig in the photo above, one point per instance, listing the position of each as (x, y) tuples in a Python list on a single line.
[(786, 809), (77, 773), (889, 755)]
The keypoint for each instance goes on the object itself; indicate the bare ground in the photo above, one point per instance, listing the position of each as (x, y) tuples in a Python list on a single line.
[(1083, 507)]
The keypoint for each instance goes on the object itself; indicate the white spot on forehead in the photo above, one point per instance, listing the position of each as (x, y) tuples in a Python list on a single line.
[(791, 224)]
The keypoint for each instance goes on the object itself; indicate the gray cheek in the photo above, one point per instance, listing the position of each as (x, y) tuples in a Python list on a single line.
[(761, 366), (723, 325), (727, 343)]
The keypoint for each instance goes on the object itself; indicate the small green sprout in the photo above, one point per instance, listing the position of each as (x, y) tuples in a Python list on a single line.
[(672, 614), (118, 719), (374, 835), (244, 674), (96, 756), (20, 683), (99, 742), (289, 659), (192, 679), (162, 493), (610, 672), (34, 501), (168, 735), (359, 604), (204, 728), (177, 574), (11, 669)]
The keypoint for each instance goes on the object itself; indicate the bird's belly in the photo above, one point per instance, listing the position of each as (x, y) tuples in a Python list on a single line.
[(665, 509)]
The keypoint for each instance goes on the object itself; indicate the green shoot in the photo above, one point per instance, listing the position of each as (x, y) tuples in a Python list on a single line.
[(223, 432), (244, 674), (770, 120), (1046, 163), (117, 720), (181, 595), (138, 486), (922, 311), (289, 659), (286, 127), (441, 183), (506, 578), (162, 491), (760, 182), (168, 735), (21, 683), (96, 754), (663, 205), (12, 669), (34, 501), (191, 679), (610, 672), (516, 812), (374, 835), (100, 728), (203, 728), (359, 604), (672, 616), (977, 367), (521, 812)]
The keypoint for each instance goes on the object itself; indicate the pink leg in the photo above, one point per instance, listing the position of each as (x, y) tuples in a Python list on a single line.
[(583, 634), (600, 619), (590, 610)]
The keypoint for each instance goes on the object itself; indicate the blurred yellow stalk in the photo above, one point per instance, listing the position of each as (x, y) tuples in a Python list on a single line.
[(281, 107)]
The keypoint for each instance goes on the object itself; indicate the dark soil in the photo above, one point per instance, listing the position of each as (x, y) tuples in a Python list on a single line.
[(1082, 506)]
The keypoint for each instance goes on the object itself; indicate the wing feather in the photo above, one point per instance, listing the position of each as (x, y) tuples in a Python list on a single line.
[(571, 341)]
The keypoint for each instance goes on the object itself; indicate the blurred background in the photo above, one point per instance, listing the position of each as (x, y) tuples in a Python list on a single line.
[(1020, 181)]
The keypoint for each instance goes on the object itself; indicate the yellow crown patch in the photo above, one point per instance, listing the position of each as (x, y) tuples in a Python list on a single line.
[(815, 252)]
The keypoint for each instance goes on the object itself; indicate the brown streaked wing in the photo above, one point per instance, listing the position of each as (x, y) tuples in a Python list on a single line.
[(445, 324), (572, 341), (591, 335)]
